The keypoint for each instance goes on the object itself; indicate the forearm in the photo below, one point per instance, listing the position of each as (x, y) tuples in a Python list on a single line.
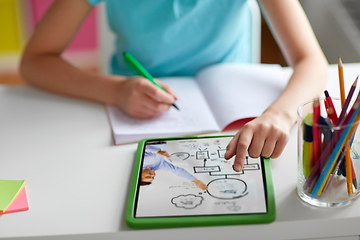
[(52, 73), (43, 66), (295, 37), (268, 134), (307, 82)]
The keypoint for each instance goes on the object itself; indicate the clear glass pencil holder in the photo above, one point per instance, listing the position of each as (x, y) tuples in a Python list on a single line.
[(328, 155)]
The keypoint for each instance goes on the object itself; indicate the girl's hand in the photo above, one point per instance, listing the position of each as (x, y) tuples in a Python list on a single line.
[(140, 98), (163, 153), (266, 135)]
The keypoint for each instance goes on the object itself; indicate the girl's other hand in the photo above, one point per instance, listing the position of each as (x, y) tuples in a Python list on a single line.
[(140, 98)]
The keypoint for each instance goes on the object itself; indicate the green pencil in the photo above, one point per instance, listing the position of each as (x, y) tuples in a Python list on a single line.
[(137, 68)]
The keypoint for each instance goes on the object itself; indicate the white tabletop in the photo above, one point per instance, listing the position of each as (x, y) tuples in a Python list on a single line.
[(78, 181)]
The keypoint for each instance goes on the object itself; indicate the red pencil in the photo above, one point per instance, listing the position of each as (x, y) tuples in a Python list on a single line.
[(316, 132), (330, 109)]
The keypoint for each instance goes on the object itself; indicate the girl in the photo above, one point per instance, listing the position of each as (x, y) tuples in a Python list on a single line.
[(179, 37)]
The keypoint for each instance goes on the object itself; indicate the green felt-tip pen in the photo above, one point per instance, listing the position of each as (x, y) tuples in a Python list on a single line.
[(137, 68)]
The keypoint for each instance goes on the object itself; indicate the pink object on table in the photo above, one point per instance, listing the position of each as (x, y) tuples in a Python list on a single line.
[(20, 203)]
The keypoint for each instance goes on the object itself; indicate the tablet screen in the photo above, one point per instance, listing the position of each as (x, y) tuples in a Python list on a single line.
[(191, 177)]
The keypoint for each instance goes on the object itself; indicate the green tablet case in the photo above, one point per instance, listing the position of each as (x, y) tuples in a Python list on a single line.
[(203, 220)]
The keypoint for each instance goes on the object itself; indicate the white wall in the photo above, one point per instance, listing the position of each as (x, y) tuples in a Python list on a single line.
[(334, 29)]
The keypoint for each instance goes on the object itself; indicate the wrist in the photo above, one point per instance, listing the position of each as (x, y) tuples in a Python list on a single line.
[(114, 89), (287, 117)]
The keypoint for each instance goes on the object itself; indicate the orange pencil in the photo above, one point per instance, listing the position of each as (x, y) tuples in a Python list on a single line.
[(341, 81), (348, 162)]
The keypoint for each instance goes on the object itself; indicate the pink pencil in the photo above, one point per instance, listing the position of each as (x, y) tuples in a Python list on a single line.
[(316, 132)]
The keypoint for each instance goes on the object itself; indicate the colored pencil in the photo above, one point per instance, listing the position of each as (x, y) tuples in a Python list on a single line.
[(348, 99), (335, 153), (343, 155), (327, 151), (348, 167), (354, 180), (348, 161), (316, 132), (330, 109), (347, 146), (341, 81), (339, 162)]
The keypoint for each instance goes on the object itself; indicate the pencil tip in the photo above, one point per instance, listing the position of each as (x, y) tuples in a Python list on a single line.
[(339, 61), (326, 93), (316, 102), (355, 82)]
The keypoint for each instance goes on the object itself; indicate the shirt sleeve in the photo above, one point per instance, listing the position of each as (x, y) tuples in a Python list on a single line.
[(94, 2), (166, 166)]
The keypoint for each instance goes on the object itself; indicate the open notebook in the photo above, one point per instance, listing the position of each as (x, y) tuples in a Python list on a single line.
[(215, 99)]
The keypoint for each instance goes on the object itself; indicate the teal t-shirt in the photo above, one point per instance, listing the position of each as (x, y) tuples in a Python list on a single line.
[(179, 37)]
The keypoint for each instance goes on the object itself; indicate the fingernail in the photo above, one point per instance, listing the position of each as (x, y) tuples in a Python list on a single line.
[(237, 167)]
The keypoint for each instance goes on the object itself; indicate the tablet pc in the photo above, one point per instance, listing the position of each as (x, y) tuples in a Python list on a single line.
[(184, 182)]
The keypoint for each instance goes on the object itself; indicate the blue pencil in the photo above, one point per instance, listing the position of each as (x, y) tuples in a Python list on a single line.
[(335, 153), (315, 173)]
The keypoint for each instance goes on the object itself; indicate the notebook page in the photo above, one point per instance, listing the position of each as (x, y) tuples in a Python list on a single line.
[(194, 114), (236, 91)]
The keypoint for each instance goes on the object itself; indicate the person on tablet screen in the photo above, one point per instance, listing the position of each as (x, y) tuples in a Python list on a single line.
[(154, 159)]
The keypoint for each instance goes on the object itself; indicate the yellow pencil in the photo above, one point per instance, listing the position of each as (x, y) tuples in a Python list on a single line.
[(352, 130), (347, 152), (341, 81)]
